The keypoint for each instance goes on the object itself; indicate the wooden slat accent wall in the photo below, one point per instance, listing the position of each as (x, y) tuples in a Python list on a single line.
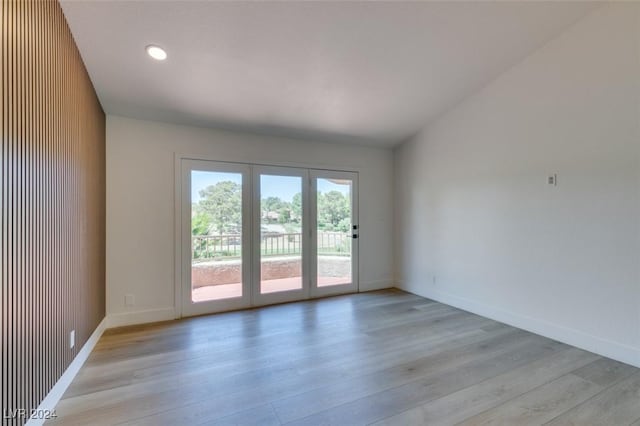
[(52, 176)]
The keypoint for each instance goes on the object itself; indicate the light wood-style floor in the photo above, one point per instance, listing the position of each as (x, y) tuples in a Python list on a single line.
[(383, 358)]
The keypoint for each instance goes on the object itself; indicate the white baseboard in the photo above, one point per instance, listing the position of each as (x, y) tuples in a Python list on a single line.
[(49, 403), (140, 317), (607, 348), (375, 285)]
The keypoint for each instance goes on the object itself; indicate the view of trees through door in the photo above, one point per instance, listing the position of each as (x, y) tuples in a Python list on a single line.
[(216, 234), (216, 229), (334, 231)]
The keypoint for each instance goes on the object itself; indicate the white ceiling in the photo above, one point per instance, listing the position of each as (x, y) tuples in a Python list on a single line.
[(357, 72)]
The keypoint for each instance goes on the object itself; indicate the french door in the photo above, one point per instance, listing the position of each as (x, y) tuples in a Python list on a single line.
[(334, 232), (215, 241), (281, 244), (253, 235)]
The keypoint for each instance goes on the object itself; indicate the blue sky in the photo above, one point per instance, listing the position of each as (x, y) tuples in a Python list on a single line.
[(284, 187), (200, 180)]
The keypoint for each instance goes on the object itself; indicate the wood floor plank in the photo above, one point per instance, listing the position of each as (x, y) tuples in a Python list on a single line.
[(263, 415), (382, 404), (344, 360), (605, 372), (228, 402), (225, 373), (617, 405), (110, 404), (474, 399), (212, 344), (237, 376), (540, 405), (546, 402), (438, 364)]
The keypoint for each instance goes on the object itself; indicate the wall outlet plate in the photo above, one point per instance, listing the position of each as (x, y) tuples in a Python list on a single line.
[(72, 339), (129, 300), (552, 179)]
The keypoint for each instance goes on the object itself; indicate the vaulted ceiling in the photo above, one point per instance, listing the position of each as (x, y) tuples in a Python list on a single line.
[(356, 72)]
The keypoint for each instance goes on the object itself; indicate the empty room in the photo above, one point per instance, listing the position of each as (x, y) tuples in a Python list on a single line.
[(320, 212)]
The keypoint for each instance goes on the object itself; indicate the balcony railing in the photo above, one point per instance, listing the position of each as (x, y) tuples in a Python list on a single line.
[(221, 247)]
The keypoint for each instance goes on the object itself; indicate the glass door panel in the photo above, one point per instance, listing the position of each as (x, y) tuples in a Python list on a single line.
[(215, 216), (280, 195), (336, 232), (216, 241), (280, 233), (334, 222)]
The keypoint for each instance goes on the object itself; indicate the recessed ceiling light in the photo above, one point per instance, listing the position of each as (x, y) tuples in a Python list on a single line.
[(156, 52)]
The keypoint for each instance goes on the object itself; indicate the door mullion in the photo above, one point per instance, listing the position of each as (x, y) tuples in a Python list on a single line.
[(313, 234)]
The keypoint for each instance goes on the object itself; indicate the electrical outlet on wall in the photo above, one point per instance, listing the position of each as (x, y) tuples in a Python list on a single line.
[(129, 300), (72, 339), (552, 179)]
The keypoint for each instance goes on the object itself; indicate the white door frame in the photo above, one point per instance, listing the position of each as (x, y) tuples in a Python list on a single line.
[(182, 240)]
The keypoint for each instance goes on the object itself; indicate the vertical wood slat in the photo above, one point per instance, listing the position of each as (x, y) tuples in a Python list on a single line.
[(52, 177)]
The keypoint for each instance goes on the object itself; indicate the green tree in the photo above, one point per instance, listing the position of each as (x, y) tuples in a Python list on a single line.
[(296, 207), (284, 214), (270, 205), (223, 203), (200, 223), (334, 211)]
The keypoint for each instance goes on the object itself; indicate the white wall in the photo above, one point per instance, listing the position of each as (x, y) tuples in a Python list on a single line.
[(478, 226), (140, 204)]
